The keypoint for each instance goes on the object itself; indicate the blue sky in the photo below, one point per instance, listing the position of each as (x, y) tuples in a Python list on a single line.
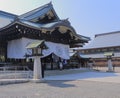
[(88, 17)]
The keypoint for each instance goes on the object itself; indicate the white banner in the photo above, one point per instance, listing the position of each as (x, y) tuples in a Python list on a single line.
[(17, 49)]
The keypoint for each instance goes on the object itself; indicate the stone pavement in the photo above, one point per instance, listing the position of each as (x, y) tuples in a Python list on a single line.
[(90, 76), (22, 77), (61, 89), (66, 71), (77, 85), (12, 81)]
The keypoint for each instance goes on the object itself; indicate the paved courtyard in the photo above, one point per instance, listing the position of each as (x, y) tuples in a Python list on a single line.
[(80, 85)]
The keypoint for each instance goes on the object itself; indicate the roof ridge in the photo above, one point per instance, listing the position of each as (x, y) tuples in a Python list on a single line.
[(7, 13), (43, 6), (102, 34)]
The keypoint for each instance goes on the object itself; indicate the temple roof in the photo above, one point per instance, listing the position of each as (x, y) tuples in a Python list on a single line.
[(38, 12), (47, 26), (6, 18), (6, 14), (50, 27), (84, 37), (110, 39), (43, 19)]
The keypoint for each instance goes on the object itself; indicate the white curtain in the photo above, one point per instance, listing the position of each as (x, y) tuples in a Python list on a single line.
[(17, 49)]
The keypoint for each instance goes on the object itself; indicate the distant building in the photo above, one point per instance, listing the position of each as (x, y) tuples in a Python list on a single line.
[(101, 47)]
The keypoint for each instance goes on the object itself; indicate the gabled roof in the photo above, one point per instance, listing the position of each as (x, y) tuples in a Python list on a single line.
[(47, 26), (43, 18), (38, 12), (6, 14), (104, 40), (6, 18)]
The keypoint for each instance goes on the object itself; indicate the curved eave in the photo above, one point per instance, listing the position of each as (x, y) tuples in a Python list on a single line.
[(7, 26), (21, 23), (84, 38), (57, 24), (8, 14), (49, 28)]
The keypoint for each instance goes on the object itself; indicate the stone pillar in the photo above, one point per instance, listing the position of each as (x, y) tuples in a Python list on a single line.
[(37, 74), (110, 66)]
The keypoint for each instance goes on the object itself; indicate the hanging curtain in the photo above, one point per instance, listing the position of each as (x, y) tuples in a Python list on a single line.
[(17, 49)]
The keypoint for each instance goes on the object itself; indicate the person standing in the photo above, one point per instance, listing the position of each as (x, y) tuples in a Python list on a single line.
[(60, 64)]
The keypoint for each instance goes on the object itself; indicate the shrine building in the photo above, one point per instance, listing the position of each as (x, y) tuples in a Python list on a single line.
[(43, 23)]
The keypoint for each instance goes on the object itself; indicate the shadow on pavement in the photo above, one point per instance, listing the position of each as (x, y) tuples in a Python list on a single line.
[(61, 84)]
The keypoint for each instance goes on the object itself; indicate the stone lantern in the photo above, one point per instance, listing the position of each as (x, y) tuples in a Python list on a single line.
[(109, 60), (36, 47)]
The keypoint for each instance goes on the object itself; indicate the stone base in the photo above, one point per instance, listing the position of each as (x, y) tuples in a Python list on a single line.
[(37, 80)]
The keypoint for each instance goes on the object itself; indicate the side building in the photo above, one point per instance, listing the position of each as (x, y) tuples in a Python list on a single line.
[(103, 47)]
